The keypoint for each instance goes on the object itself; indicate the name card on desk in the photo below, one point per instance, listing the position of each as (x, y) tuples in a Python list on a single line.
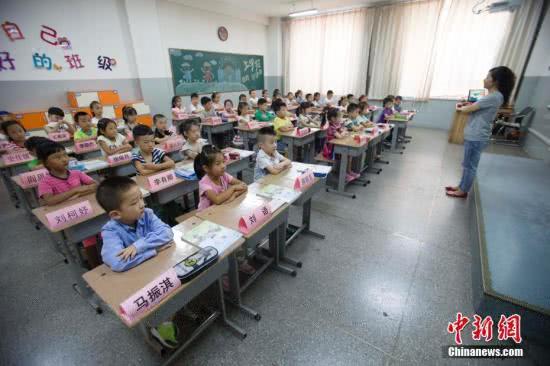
[(83, 146), (302, 131), (59, 136), (180, 116), (258, 216), (68, 214), (4, 145), (17, 157), (173, 144), (214, 120), (161, 180), (360, 139), (304, 180), (252, 125), (119, 158), (150, 295), (32, 178)]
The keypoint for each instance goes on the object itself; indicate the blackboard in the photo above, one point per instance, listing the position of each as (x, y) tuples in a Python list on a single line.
[(204, 72)]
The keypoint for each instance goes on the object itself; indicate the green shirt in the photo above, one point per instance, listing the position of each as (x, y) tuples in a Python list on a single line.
[(79, 135), (33, 163), (263, 116)]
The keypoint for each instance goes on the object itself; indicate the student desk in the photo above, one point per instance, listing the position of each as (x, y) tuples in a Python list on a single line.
[(306, 142), (370, 156), (27, 197), (399, 124), (249, 134), (211, 128), (123, 169), (179, 188), (286, 179), (228, 215), (237, 166), (8, 171), (347, 147), (115, 287)]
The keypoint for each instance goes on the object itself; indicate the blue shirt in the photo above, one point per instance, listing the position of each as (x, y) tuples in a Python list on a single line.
[(480, 122), (149, 233)]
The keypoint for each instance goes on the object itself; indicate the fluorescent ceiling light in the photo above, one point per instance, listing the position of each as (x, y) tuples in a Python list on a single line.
[(303, 13)]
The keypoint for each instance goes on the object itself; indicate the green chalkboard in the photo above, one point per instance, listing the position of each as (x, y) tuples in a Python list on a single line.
[(204, 72)]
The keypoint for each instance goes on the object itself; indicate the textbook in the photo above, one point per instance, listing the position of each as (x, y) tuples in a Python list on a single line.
[(279, 193), (210, 234)]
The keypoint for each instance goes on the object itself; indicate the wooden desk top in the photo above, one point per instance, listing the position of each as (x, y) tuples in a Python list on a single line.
[(229, 214), (293, 134), (41, 212), (115, 287), (210, 124), (255, 129), (348, 141)]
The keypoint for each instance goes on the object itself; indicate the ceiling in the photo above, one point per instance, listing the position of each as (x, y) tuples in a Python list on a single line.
[(279, 8)]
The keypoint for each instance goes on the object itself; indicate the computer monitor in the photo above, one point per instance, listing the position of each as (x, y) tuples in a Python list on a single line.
[(475, 94)]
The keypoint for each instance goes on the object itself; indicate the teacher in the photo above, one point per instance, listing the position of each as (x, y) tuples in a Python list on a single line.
[(500, 82)]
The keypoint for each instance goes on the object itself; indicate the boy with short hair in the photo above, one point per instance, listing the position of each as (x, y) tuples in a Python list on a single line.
[(195, 107), (281, 123), (208, 108), (397, 103), (269, 160), (148, 159), (253, 100), (86, 129), (162, 133), (56, 121), (329, 101), (262, 114), (193, 141), (354, 122)]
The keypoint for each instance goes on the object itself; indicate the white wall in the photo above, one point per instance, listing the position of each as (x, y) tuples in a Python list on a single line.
[(539, 63), (95, 28)]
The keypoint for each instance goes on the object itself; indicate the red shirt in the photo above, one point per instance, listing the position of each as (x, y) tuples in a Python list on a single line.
[(55, 185)]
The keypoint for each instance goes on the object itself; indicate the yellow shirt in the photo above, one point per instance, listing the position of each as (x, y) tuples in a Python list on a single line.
[(281, 122)]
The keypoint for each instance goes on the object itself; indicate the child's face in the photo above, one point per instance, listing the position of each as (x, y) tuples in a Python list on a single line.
[(54, 118), (309, 98), (193, 133), (397, 102), (131, 206), (85, 123), (253, 94), (269, 145), (16, 133), (244, 110), (329, 95), (388, 105), (208, 106), (57, 161), (242, 99), (216, 99), (98, 110), (316, 97), (195, 100), (110, 131), (131, 118), (354, 114), (281, 113), (161, 124), (178, 102), (229, 107), (264, 94), (365, 111), (263, 107), (290, 96), (218, 167), (146, 143)]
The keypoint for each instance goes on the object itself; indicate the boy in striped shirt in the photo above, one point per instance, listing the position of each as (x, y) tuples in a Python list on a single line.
[(148, 159)]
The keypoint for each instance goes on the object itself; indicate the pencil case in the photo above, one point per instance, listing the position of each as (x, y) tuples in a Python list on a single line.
[(191, 266)]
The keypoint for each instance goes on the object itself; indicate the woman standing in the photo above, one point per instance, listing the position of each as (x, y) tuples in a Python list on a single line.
[(500, 82)]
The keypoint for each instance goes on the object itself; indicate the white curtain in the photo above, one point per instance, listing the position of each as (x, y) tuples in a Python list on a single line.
[(328, 52), (519, 36), (403, 49)]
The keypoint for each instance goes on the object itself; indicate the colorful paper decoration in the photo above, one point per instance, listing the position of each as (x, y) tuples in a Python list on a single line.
[(5, 58), (12, 31), (74, 61), (42, 62)]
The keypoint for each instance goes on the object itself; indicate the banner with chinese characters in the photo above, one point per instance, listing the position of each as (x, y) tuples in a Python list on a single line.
[(204, 72)]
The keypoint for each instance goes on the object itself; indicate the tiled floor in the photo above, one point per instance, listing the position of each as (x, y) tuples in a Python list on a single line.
[(394, 269)]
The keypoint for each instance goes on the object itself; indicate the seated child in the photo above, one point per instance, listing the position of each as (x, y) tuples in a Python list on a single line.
[(268, 160), (56, 122), (208, 108), (242, 114), (351, 98), (62, 184), (304, 116), (228, 109), (190, 129), (162, 133), (86, 128), (328, 101), (217, 187), (343, 103), (134, 233), (397, 104), (148, 159), (364, 113), (129, 114), (317, 100), (265, 95), (309, 98), (17, 135), (97, 112), (216, 101), (253, 99), (109, 139), (354, 122), (177, 109), (195, 106), (262, 114), (281, 123), (242, 98), (299, 96), (363, 98), (388, 110), (289, 100), (336, 130), (31, 144)]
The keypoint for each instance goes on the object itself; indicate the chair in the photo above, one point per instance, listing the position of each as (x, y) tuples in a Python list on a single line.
[(513, 129)]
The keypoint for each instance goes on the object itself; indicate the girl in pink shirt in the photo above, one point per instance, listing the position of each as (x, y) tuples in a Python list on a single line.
[(17, 135), (215, 185)]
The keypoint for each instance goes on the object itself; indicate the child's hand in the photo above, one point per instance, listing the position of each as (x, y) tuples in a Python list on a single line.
[(241, 187), (128, 253), (192, 154), (150, 166)]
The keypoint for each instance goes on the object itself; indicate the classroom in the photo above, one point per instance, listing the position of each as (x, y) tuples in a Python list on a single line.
[(284, 182)]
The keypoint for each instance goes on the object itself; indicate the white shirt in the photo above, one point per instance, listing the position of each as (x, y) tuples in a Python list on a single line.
[(95, 120), (330, 101), (253, 102), (119, 140), (192, 108)]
